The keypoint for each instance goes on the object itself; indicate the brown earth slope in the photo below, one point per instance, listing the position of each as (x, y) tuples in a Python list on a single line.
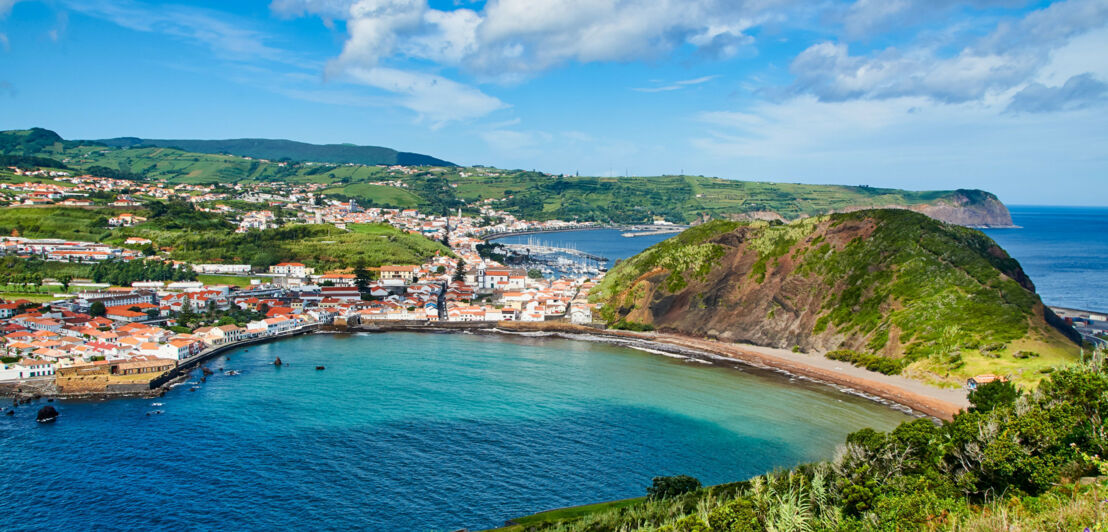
[(894, 288)]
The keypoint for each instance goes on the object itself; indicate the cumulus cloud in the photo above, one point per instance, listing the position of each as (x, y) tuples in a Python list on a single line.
[(1004, 59), (509, 39), (1077, 92), (865, 18), (434, 98)]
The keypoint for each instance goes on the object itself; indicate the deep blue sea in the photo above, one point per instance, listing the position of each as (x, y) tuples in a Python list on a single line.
[(1064, 250), (409, 431)]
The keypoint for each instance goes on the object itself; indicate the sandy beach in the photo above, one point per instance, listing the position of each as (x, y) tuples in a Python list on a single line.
[(937, 402)]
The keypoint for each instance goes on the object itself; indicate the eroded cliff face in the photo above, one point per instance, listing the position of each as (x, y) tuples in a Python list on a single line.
[(969, 209), (888, 282)]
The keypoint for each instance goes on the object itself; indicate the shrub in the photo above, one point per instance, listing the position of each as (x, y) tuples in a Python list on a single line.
[(878, 363), (669, 487)]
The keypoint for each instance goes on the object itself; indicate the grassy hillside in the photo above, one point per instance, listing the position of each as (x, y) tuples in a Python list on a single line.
[(887, 289), (285, 150), (199, 237), (529, 195), (1013, 462)]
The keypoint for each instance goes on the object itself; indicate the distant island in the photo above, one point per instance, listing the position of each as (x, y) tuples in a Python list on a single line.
[(387, 178)]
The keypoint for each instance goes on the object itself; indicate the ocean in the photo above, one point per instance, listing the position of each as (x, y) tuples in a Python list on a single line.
[(1064, 250), (406, 431)]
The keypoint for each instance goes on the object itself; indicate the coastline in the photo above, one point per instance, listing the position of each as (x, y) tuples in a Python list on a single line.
[(890, 390)]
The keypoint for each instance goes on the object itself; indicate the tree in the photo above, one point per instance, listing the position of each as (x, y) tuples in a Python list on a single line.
[(669, 487), (534, 273), (263, 309), (97, 309), (460, 273), (65, 279), (185, 315), (992, 395), (361, 278)]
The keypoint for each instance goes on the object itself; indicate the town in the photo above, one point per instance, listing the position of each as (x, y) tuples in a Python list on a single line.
[(98, 338)]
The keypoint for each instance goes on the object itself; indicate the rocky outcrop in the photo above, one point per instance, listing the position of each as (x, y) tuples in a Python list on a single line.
[(971, 208)]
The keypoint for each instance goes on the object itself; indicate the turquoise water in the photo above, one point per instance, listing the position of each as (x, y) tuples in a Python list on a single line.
[(410, 432)]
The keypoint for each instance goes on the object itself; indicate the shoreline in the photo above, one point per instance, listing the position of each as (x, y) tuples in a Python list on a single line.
[(889, 390), (892, 391)]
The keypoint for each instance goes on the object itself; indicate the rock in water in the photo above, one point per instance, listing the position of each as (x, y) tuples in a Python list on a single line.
[(277, 362), (47, 414)]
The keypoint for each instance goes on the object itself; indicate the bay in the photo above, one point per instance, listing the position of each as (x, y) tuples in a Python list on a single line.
[(406, 431)]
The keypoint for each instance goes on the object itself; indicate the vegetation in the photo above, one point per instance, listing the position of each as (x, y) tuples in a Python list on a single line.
[(121, 273), (880, 364), (890, 290), (57, 222), (286, 150), (1014, 465), (441, 187)]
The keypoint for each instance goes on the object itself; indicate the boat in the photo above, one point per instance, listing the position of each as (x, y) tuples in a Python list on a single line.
[(233, 372), (155, 412), (156, 404), (47, 414), (319, 367), (193, 389)]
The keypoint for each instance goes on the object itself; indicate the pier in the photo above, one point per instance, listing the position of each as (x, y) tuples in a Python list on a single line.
[(540, 248)]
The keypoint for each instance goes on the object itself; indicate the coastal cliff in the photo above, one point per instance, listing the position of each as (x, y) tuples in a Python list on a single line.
[(890, 289), (972, 208)]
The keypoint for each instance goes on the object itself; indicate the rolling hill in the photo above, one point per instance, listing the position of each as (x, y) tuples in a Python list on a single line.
[(892, 290), (279, 149), (525, 194)]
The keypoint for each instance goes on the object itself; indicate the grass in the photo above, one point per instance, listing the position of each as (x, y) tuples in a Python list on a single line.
[(534, 195), (570, 513), (34, 298), (233, 280), (378, 195), (56, 222), (943, 300)]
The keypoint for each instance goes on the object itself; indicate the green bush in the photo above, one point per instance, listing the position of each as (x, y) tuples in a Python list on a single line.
[(669, 487), (878, 363)]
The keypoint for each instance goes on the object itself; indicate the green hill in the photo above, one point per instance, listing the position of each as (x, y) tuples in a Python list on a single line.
[(891, 290), (278, 150), (525, 194)]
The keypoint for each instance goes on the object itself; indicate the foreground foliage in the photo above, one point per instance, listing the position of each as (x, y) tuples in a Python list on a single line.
[(1012, 465)]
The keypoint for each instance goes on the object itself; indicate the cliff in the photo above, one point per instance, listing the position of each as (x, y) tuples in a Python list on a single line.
[(895, 289)]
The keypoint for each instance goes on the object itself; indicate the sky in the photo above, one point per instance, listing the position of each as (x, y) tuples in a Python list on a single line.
[(1009, 96)]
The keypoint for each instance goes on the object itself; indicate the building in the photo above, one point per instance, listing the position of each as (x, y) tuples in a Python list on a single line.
[(292, 269), (225, 269), (405, 273)]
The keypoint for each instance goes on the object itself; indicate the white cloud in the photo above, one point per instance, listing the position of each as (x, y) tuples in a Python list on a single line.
[(909, 142), (6, 6), (225, 36), (677, 85), (1007, 57), (434, 98), (513, 38)]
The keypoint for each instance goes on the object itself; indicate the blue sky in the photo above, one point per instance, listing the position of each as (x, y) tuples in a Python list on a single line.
[(1006, 95)]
